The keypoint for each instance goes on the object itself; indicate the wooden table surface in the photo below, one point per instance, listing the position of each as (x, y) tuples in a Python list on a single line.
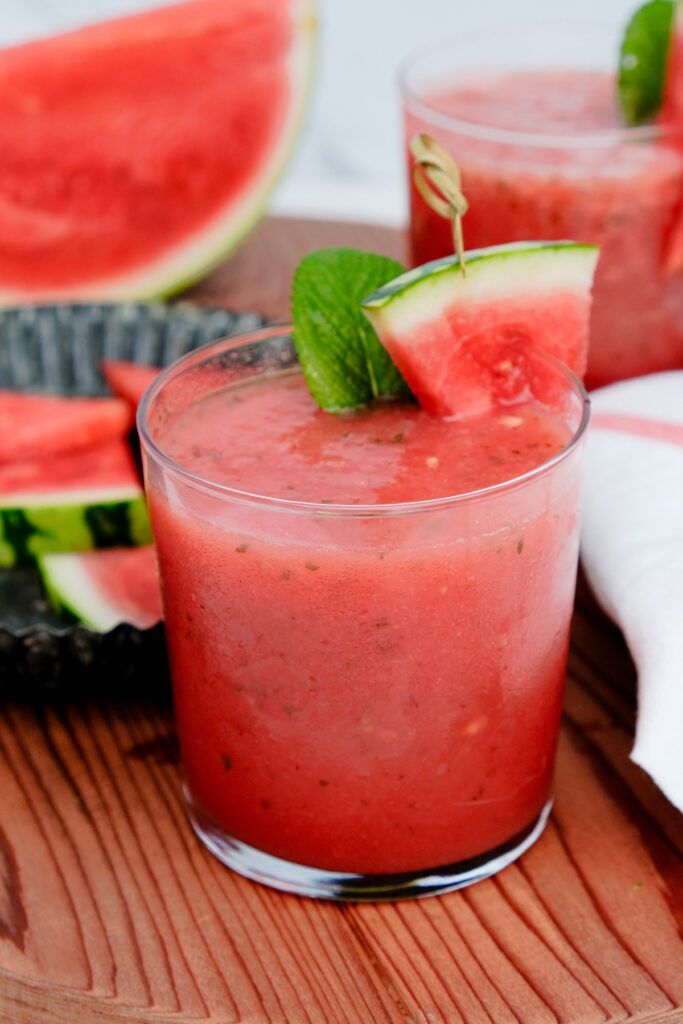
[(111, 910)]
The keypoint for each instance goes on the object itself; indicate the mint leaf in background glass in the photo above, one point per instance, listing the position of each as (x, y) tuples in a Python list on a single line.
[(344, 362), (643, 61)]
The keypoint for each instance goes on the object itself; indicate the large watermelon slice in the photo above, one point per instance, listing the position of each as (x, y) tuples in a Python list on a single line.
[(103, 588), (461, 341), (39, 426), (138, 152), (90, 498)]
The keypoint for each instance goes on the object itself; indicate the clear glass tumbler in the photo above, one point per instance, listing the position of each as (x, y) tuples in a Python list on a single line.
[(367, 696), (530, 116)]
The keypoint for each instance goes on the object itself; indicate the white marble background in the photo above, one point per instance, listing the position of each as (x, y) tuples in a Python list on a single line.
[(348, 163)]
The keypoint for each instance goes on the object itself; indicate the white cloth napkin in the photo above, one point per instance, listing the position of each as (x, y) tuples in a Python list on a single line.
[(632, 552)]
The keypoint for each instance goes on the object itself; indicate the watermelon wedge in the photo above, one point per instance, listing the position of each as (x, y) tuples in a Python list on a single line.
[(44, 425), (460, 341), (128, 380), (70, 502), (138, 152), (104, 588)]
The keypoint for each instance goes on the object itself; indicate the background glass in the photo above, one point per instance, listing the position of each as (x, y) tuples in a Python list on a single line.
[(620, 188)]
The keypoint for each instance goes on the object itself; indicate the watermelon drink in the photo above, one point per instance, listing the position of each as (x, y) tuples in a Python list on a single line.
[(367, 619), (532, 121)]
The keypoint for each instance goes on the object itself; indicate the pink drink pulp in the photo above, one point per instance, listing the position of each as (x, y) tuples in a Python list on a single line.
[(543, 156), (367, 670)]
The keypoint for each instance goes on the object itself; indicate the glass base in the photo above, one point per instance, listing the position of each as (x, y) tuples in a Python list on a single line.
[(335, 885)]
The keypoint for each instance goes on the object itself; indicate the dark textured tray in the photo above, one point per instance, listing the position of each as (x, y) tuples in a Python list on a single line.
[(58, 350)]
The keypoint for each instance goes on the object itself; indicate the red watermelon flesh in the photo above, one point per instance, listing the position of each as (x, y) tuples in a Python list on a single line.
[(104, 588), (128, 579), (41, 426), (96, 468), (128, 380), (485, 362), (136, 151)]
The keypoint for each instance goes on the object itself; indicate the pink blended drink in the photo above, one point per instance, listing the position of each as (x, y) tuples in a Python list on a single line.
[(367, 618), (543, 156)]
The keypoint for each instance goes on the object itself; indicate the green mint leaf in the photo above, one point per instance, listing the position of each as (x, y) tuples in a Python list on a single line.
[(643, 61), (344, 362)]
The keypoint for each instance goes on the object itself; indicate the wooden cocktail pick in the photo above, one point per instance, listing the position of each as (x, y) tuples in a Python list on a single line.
[(437, 179)]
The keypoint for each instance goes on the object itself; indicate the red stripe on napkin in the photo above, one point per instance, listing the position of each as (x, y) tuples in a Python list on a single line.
[(656, 430)]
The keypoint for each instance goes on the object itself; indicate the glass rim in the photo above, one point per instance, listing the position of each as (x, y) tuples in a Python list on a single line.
[(361, 511), (596, 138)]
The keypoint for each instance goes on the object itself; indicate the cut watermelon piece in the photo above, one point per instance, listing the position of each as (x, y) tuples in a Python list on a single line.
[(137, 153), (38, 426), (104, 588), (128, 380), (461, 342), (72, 502)]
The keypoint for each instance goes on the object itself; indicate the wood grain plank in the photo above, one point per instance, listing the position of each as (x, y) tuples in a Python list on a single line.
[(62, 944), (627, 890)]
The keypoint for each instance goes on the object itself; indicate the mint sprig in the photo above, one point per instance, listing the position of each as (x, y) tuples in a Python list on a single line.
[(643, 61), (344, 362)]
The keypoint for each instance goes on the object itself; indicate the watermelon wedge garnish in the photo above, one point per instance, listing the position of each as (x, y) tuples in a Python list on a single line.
[(40, 426), (138, 152), (128, 380), (460, 342), (74, 501), (104, 588)]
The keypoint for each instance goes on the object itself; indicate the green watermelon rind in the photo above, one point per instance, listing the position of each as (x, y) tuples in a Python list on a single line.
[(189, 262), (643, 61), (421, 294), (71, 592), (33, 525)]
